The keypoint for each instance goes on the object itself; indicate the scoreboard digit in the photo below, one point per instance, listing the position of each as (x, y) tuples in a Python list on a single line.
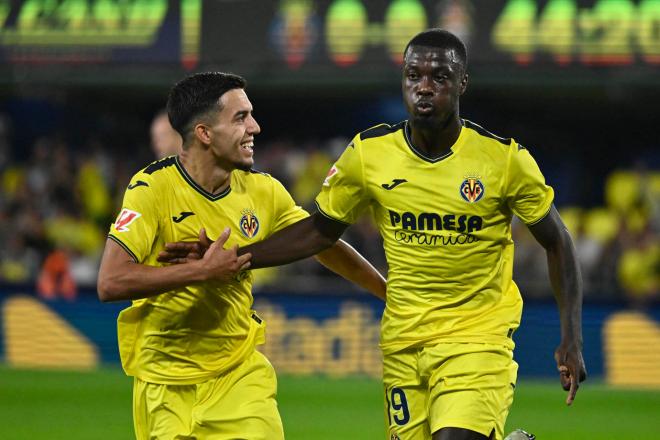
[(610, 32)]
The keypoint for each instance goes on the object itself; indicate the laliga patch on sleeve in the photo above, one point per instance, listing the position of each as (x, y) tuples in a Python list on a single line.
[(125, 218), (331, 173)]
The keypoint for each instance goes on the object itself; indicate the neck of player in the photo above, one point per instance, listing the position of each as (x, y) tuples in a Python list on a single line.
[(213, 177), (435, 138)]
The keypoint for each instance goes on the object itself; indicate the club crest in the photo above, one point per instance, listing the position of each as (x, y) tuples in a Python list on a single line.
[(472, 190), (249, 223)]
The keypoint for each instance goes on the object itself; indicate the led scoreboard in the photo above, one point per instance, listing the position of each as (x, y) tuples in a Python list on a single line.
[(604, 32), (324, 39), (100, 31)]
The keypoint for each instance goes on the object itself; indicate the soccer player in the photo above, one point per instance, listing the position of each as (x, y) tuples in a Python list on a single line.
[(189, 336), (443, 191)]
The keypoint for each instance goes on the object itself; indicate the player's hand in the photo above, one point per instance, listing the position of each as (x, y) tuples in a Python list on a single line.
[(222, 264), (186, 251), (571, 368)]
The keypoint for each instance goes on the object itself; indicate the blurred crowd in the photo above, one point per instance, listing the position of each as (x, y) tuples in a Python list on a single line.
[(56, 206), (617, 244)]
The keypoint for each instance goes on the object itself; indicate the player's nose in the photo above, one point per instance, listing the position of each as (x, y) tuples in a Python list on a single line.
[(425, 86), (253, 126)]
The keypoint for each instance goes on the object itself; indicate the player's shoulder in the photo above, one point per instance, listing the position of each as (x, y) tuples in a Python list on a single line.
[(380, 131), (253, 179), (492, 146), (159, 165), (486, 136), (150, 175), (157, 169), (256, 175), (258, 184)]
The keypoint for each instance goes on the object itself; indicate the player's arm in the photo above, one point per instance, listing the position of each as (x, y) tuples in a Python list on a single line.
[(342, 198), (566, 283), (299, 240), (295, 242), (121, 278), (317, 235), (346, 262)]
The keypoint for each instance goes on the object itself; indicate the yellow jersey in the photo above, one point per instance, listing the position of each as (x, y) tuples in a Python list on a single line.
[(191, 334), (446, 227)]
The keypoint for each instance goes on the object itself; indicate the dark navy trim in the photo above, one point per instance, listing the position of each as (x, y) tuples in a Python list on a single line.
[(328, 216), (542, 217), (482, 131), (136, 184), (120, 243), (380, 130), (406, 131), (160, 164), (196, 187)]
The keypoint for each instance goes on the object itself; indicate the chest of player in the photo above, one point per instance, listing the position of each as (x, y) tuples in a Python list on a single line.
[(182, 217), (461, 193)]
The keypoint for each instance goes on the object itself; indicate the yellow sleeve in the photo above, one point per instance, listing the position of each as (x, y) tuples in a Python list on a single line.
[(527, 194), (343, 196), (285, 210), (136, 225)]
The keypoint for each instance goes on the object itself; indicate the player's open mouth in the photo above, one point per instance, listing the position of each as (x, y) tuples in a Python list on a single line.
[(247, 145), (424, 107)]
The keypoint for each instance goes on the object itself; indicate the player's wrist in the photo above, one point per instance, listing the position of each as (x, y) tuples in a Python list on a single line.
[(572, 342), (197, 271)]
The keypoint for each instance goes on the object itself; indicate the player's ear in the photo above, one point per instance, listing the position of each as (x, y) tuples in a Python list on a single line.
[(202, 133), (464, 83)]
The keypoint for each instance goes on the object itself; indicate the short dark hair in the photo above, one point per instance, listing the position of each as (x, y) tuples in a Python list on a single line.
[(441, 38), (196, 95)]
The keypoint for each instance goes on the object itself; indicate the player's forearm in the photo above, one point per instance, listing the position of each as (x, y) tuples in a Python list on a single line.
[(346, 262), (132, 281), (566, 281), (301, 240)]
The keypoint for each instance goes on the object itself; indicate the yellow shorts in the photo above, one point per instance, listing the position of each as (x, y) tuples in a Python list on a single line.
[(448, 385), (239, 404)]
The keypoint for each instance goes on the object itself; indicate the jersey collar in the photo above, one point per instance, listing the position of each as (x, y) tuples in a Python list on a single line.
[(424, 157), (196, 187)]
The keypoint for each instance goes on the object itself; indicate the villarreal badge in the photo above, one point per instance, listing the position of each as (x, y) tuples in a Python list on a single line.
[(395, 436), (472, 190), (249, 223)]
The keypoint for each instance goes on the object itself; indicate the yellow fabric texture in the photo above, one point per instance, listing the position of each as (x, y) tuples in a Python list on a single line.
[(210, 410), (446, 225), (191, 334), (455, 385)]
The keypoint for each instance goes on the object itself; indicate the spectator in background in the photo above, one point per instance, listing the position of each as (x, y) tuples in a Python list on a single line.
[(165, 141), (55, 278), (639, 270)]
